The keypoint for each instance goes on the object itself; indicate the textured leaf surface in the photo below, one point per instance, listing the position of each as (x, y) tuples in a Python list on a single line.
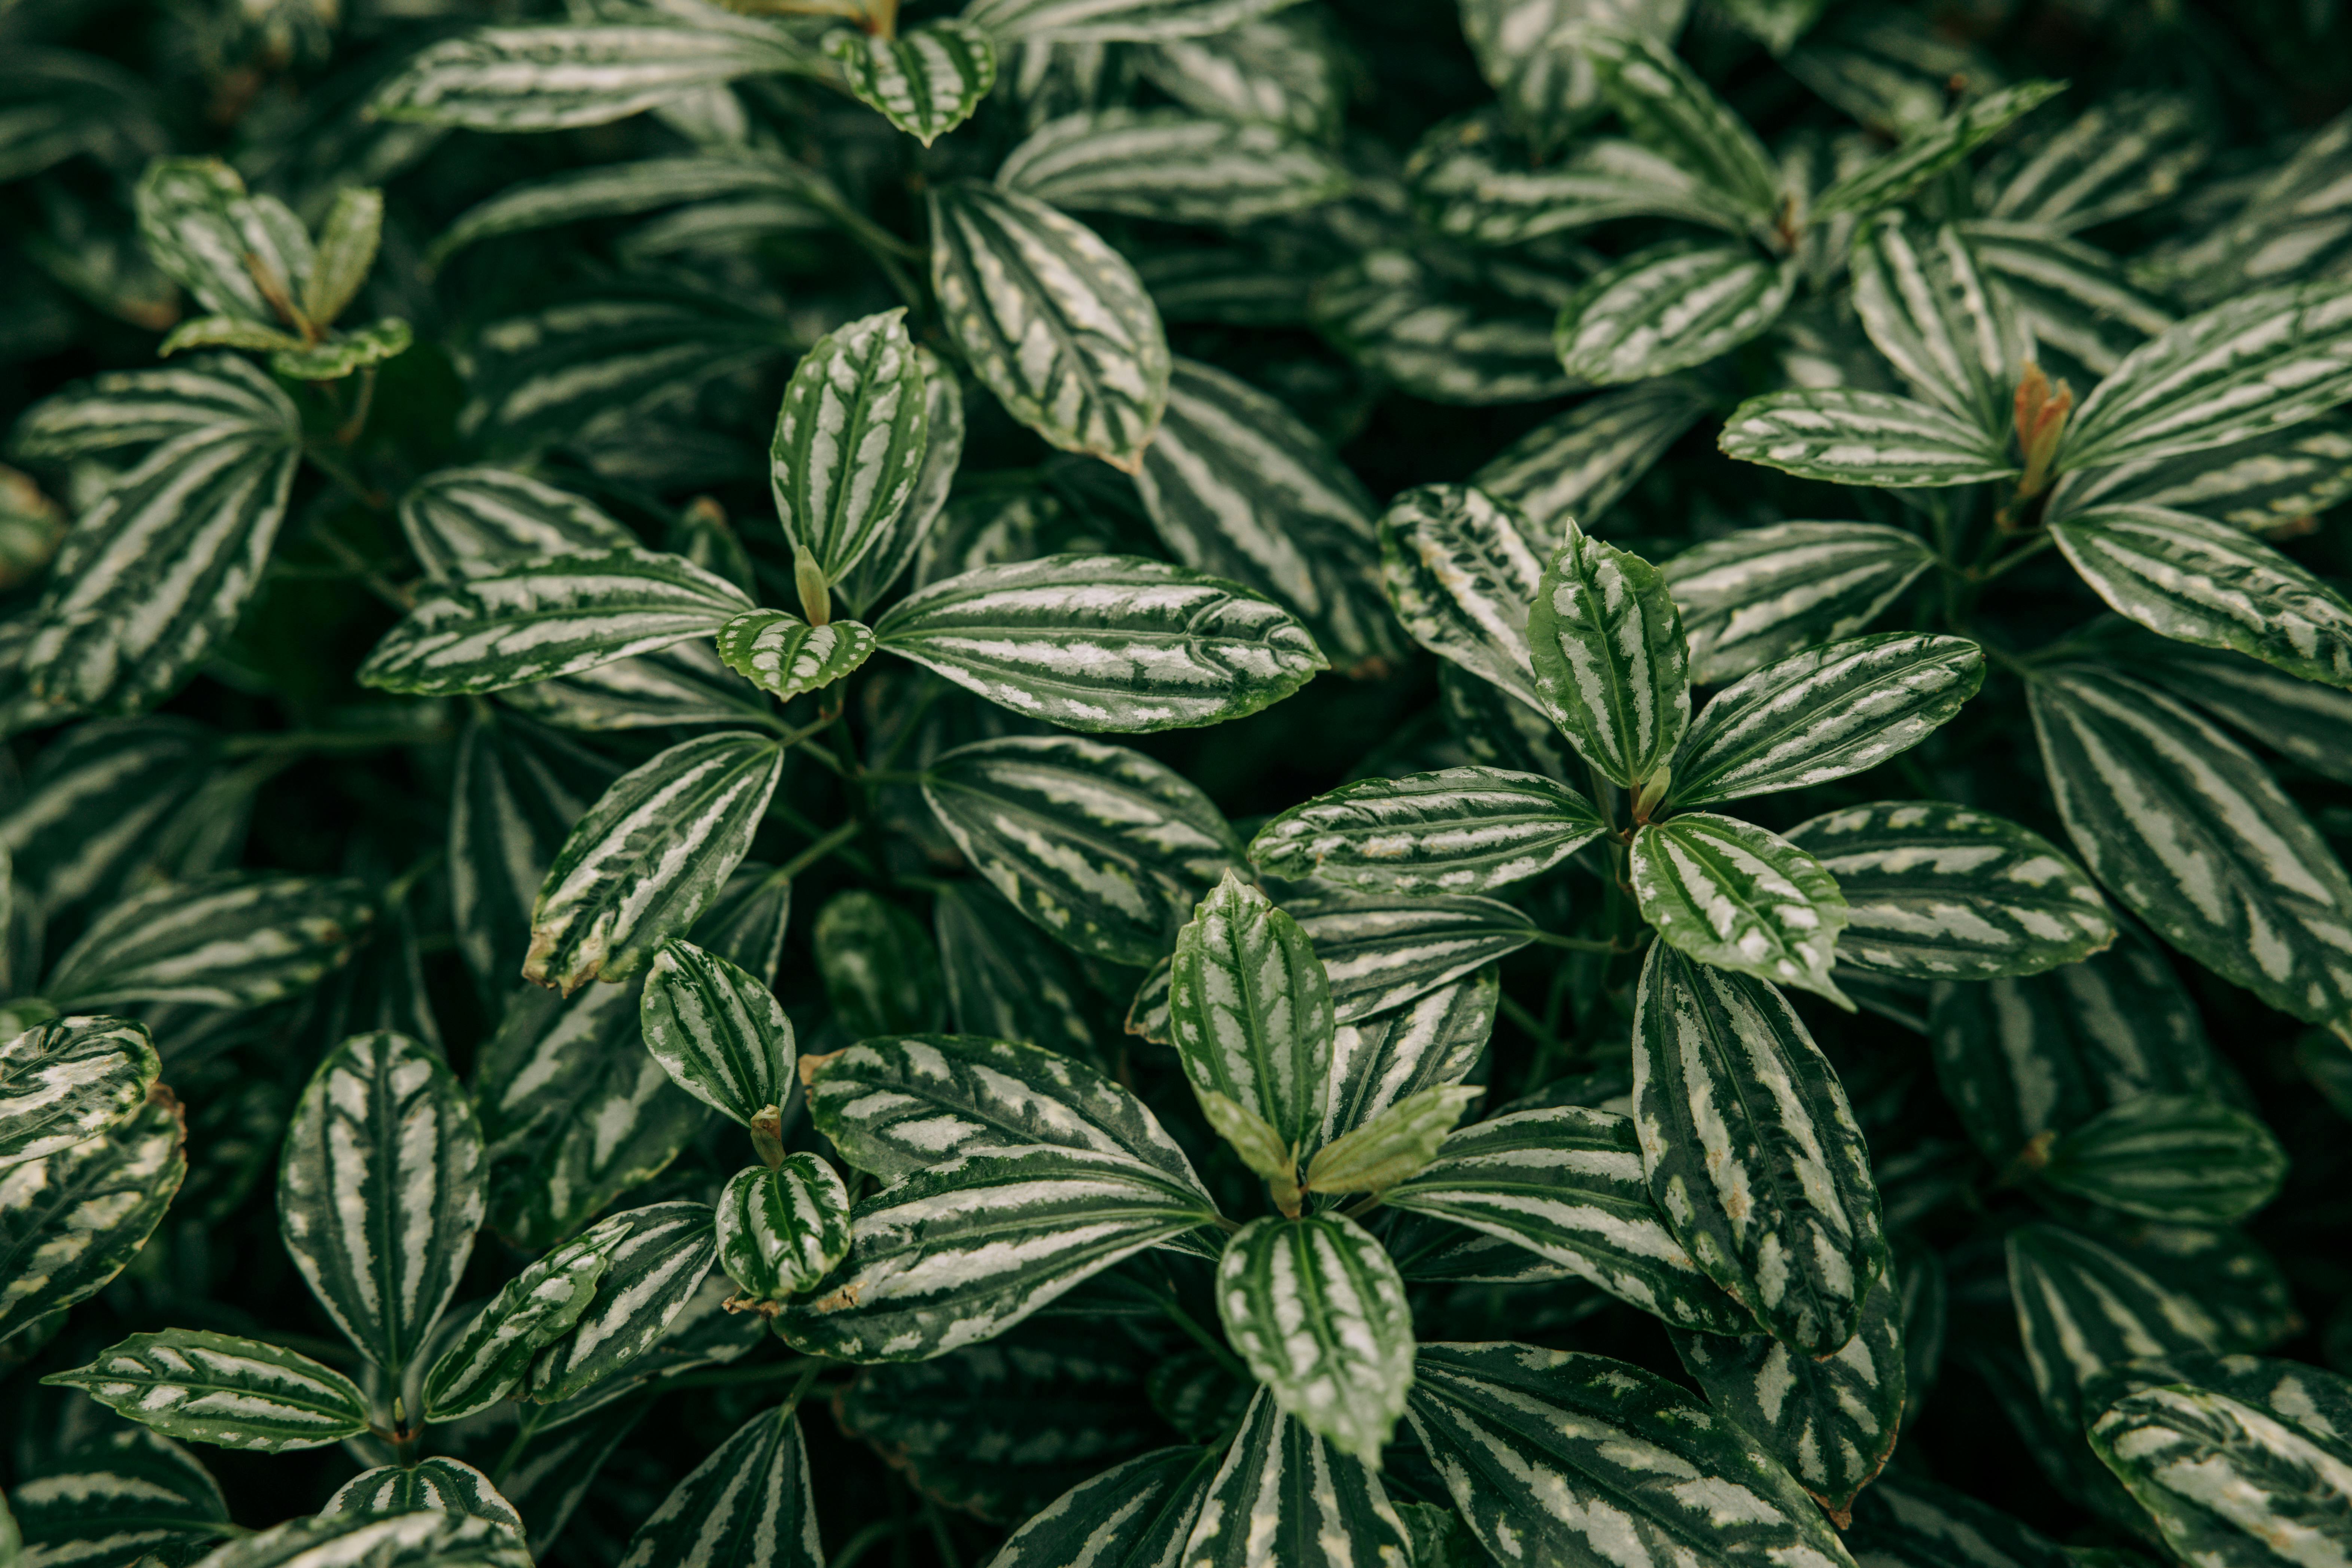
[(1252, 1012), (781, 1231), (781, 652), (1453, 332), (1133, 1515), (71, 1220), (1734, 896), (1460, 830), (1467, 187), (1850, 437), (1380, 954), (1172, 166), (1433, 1040), (493, 1355), (1283, 1496), (438, 1484), (720, 1033), (557, 78), (1762, 593), (1113, 21), (1668, 309), (67, 1080), (927, 81), (1582, 462), (230, 944), (750, 1505), (461, 520), (1609, 663), (1666, 105), (849, 442), (1463, 576), (114, 1497), (218, 1388), (2170, 1157), (2082, 1309), (238, 255), (1317, 1310), (1393, 1144), (1891, 178), (1951, 332), (1753, 1150), (655, 1260), (430, 1539)]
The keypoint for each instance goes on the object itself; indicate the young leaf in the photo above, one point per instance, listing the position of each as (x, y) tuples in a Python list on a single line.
[(1667, 106), (1283, 1496), (560, 77), (1850, 437), (654, 1263), (218, 1388), (1765, 592), (2179, 1158), (1432, 1041), (243, 257), (649, 858), (719, 1033), (1952, 333), (1888, 180), (348, 237), (1461, 830), (65, 1081), (1609, 663), (781, 1230), (1052, 319), (539, 619), (751, 1503), (1382, 952), (1583, 462), (895, 549), (1253, 1012), (1133, 1515), (1734, 896), (491, 1359), (462, 521), (437, 1485), (233, 943), (1393, 1145), (848, 445), (877, 966), (116, 1497), (1944, 893), (340, 355), (1112, 21), (1105, 642), (72, 1219), (381, 1192), (1462, 576), (1317, 1310), (1753, 1150), (1667, 309), (927, 81), (779, 653), (1172, 166)]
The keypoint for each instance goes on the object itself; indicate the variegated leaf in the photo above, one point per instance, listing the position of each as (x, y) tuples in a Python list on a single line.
[(1381, 952), (557, 77), (957, 1254), (2211, 584), (381, 1192), (2082, 1309), (2179, 1158), (848, 446), (1762, 593), (1833, 1421), (1466, 184), (1134, 1515), (1103, 847), (1580, 464), (1953, 333), (549, 617), (95, 810), (653, 1262), (927, 81), (1432, 1041), (1566, 1183), (438, 1485), (1531, 52), (1734, 896), (1447, 328), (2115, 158), (1937, 892), (1889, 179), (1838, 709), (649, 858), (1105, 642), (894, 1107), (719, 177), (1252, 1012), (1462, 574), (1850, 437), (1172, 166), (1393, 1144), (1282, 70), (430, 1539), (1460, 830), (895, 549), (65, 1081), (686, 683), (1006, 980), (781, 1230), (517, 792), (2270, 482), (460, 521), (1610, 662), (1752, 1152), (114, 1497), (1562, 1457), (2195, 836), (878, 969), (1664, 105), (1113, 21), (72, 1219), (2068, 294), (750, 1505), (245, 257), (128, 408), (1905, 1521), (218, 1388), (231, 943), (1317, 1310), (489, 1360), (1669, 307), (1285, 1496), (1052, 319), (717, 1031)]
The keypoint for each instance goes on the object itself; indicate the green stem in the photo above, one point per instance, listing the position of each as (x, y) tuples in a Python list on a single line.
[(1547, 1043), (817, 851), (1217, 1348), (2032, 548), (854, 1549), (351, 561), (1578, 944)]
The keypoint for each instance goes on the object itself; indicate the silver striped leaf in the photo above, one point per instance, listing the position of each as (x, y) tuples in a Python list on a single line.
[(1462, 574), (2270, 482), (238, 941), (221, 1389), (1762, 593), (1137, 1514), (560, 77), (460, 521), (878, 966), (926, 81), (437, 1484), (431, 1539), (781, 1230), (1251, 1012), (750, 1505), (127, 408), (1664, 105), (1565, 1184), (242, 257), (2211, 585), (2277, 224), (1283, 70), (2258, 363), (1563, 1457), (1052, 319), (1433, 1040), (1317, 1310), (717, 1031), (2183, 1159), (1669, 307), (1850, 437), (1395, 1144), (649, 858), (539, 619), (1735, 897), (1936, 892), (155, 574), (1953, 334), (1581, 463), (1529, 52), (1752, 1152), (2230, 1274), (2238, 1461), (1611, 667), (2069, 296), (639, 186), (894, 1107), (92, 817), (849, 443), (112, 1499), (1459, 830), (71, 1221), (746, 927), (2193, 834), (1832, 1422), (2018, 1059), (957, 1254), (1113, 21), (1103, 847), (490, 1358), (654, 1265), (1381, 952), (2115, 158), (1894, 176), (1105, 642), (381, 1192), (1449, 328), (1172, 166), (2082, 1309), (1005, 979), (1466, 184), (896, 548), (1238, 487), (517, 792), (1905, 1521), (1283, 1496), (781, 654), (2301, 719), (66, 1080), (557, 1468), (1838, 709), (686, 683)]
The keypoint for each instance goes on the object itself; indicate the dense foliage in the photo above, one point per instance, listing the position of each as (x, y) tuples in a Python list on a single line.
[(1158, 782)]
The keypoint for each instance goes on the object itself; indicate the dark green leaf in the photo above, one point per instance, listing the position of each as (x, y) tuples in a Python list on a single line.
[(218, 1388), (1462, 830), (1317, 1310), (72, 1220), (717, 1031), (233, 943), (1766, 592), (2169, 1157), (1735, 897), (1610, 662)]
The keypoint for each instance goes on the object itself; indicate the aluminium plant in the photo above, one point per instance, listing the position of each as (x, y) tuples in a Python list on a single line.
[(1751, 969)]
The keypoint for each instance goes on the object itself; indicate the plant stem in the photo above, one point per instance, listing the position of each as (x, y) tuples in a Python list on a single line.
[(817, 851), (1217, 1348)]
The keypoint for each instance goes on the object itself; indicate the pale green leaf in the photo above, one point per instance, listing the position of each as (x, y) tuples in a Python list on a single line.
[(340, 355), (347, 241), (1463, 573), (1391, 1146)]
